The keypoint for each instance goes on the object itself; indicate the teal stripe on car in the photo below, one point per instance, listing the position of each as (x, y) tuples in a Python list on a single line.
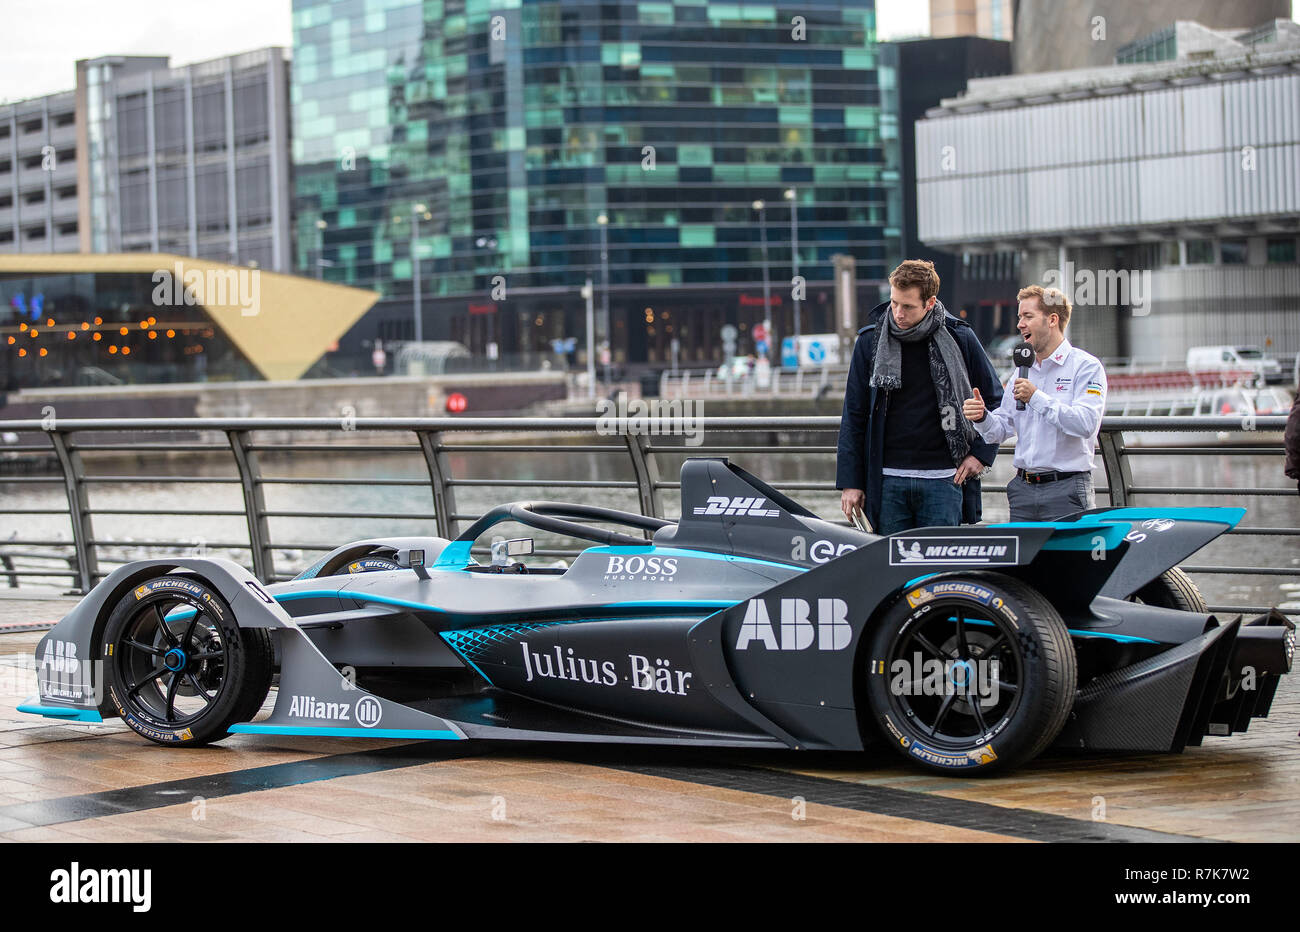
[(649, 550), (250, 728), (1214, 515), (63, 712), (1077, 632)]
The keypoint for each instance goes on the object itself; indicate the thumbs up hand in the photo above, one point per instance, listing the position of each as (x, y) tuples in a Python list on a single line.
[(973, 408)]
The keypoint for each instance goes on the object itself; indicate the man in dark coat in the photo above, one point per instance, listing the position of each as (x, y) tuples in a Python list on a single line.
[(907, 455)]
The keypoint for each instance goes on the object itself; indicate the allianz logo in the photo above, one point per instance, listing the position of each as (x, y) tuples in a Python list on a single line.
[(797, 629), (367, 712)]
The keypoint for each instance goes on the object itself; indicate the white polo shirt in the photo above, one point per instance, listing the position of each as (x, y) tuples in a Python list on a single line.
[(1059, 426)]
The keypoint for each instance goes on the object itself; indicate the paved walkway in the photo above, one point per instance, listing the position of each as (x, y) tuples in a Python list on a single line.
[(70, 782)]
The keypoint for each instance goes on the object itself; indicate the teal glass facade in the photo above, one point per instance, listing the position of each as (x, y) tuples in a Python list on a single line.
[(516, 124)]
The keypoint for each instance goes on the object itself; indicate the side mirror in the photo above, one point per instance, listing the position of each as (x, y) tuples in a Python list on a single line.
[(503, 550), (412, 559)]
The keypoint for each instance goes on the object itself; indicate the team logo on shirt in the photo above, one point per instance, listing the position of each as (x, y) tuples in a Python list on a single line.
[(1092, 388)]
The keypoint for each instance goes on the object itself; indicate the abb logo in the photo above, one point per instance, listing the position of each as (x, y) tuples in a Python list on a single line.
[(798, 631), (722, 505)]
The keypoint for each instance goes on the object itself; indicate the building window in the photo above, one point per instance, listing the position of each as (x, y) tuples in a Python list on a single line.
[(1200, 252), (1232, 252), (1281, 250)]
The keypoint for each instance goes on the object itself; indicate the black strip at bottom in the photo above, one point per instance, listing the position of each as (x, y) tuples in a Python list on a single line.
[(905, 804), (273, 776)]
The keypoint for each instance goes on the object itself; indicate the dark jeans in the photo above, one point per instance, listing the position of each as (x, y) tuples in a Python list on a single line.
[(909, 503)]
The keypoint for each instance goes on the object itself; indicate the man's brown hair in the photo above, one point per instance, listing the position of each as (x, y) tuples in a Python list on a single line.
[(1050, 301), (916, 273)]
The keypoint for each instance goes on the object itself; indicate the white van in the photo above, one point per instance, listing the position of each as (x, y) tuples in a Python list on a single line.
[(1239, 358)]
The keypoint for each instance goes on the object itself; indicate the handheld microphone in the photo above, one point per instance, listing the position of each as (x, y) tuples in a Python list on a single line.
[(1023, 357)]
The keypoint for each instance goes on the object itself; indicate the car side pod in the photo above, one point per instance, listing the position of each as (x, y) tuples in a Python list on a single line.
[(314, 698)]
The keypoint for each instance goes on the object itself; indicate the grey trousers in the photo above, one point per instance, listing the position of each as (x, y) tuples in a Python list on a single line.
[(1047, 501)]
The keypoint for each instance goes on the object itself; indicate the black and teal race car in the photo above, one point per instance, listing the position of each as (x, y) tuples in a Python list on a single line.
[(749, 622)]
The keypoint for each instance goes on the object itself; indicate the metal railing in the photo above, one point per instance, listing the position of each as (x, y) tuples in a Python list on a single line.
[(642, 456)]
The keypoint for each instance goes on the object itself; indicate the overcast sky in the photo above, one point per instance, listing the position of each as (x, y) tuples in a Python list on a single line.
[(44, 38)]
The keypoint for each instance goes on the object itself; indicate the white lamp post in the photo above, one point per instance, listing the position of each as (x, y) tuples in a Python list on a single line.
[(603, 222), (792, 196), (761, 207)]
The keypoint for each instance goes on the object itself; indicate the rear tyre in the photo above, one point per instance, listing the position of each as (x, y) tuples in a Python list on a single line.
[(179, 669), (970, 674), (1173, 589), (378, 561)]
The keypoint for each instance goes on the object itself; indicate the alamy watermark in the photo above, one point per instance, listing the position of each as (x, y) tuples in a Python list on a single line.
[(975, 680), (658, 417), (1103, 287), (179, 285)]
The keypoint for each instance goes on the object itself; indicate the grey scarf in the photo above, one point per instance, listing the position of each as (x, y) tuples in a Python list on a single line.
[(947, 369)]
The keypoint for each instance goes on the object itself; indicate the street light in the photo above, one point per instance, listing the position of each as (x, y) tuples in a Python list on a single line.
[(418, 211), (761, 207), (587, 293), (792, 196), (603, 222), (321, 262)]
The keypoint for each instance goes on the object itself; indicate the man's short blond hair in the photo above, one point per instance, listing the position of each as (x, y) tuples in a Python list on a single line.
[(916, 273), (1050, 301)]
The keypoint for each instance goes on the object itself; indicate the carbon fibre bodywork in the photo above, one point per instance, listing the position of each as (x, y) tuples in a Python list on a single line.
[(742, 624)]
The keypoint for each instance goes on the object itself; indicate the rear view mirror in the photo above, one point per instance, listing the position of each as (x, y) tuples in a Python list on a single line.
[(412, 559), (503, 550)]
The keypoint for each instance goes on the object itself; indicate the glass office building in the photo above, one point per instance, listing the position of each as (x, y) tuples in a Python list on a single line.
[(474, 145)]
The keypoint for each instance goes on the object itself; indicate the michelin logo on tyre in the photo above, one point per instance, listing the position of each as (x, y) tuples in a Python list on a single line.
[(974, 758)]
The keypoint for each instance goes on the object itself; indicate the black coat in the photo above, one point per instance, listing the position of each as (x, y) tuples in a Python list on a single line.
[(1292, 441), (858, 462)]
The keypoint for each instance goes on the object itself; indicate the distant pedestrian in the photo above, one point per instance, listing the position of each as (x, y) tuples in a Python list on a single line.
[(1292, 440), (1064, 398)]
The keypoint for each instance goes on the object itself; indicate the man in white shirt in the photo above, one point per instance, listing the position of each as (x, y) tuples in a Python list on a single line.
[(1064, 397)]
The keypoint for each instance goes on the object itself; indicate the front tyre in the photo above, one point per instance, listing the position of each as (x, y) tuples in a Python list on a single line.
[(971, 673), (179, 668)]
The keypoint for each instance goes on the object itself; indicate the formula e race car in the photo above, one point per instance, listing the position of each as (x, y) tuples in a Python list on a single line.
[(748, 623)]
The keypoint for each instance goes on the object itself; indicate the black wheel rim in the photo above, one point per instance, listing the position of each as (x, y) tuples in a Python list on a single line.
[(961, 677), (171, 661)]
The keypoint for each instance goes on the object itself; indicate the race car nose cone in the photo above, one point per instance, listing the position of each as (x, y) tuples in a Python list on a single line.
[(174, 659)]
